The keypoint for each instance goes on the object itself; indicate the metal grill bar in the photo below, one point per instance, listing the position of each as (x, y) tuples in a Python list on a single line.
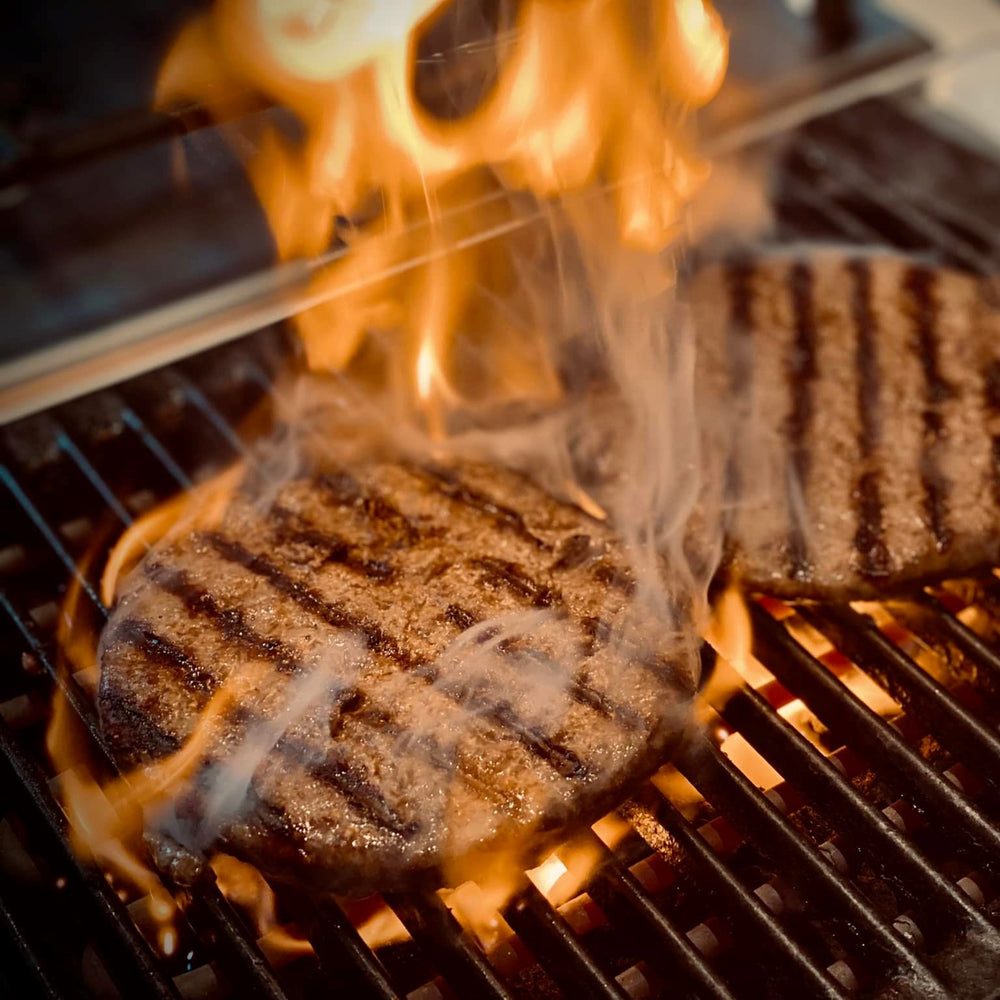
[(341, 952), (868, 831), (50, 536), (843, 712), (934, 623), (548, 935), (616, 889), (711, 772), (139, 968), (32, 967), (734, 900), (858, 637), (244, 964), (435, 929), (82, 706)]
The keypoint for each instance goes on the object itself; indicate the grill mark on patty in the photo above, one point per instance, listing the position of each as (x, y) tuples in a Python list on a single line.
[(739, 278), (310, 601), (449, 484), (460, 617), (343, 490), (800, 373), (616, 577), (500, 572), (920, 285), (334, 770), (501, 713), (142, 637), (292, 529), (229, 622), (582, 693), (137, 725), (869, 540), (573, 552), (560, 758)]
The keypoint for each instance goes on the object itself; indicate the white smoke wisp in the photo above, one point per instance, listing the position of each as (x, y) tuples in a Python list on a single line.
[(225, 783)]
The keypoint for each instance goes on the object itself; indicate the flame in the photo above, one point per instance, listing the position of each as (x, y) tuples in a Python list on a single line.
[(586, 93), (200, 507), (244, 886), (377, 925)]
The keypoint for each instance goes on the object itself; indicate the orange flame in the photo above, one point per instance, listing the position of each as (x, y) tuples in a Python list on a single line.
[(584, 94), (244, 886)]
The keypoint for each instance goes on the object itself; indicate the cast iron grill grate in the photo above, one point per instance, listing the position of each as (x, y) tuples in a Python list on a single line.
[(869, 869)]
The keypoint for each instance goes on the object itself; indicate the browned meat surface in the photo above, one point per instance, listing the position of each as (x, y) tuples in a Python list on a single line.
[(391, 669), (856, 402)]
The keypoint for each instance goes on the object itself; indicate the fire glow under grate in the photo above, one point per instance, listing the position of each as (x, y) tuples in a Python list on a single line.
[(869, 868)]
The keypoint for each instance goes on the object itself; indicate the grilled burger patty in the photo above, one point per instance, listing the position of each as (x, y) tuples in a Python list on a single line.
[(856, 402), (391, 669)]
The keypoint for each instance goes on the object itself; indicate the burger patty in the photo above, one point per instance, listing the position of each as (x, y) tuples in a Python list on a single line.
[(855, 403), (388, 670)]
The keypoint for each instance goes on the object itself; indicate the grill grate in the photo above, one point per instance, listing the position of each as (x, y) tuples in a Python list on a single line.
[(866, 871)]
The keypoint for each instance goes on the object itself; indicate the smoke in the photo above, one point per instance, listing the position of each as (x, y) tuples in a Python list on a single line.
[(277, 707)]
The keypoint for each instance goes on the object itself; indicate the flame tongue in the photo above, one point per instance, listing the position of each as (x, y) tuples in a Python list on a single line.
[(580, 98)]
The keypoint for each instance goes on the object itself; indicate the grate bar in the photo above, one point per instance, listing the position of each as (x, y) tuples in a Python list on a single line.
[(854, 133), (735, 900), (82, 705), (68, 445), (204, 406), (816, 162), (138, 426), (670, 952), (882, 844), (341, 952), (800, 672), (439, 934), (858, 637), (795, 192), (928, 618), (139, 966), (548, 935), (719, 780), (241, 960), (50, 536)]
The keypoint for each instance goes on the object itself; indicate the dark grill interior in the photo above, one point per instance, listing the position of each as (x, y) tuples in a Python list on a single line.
[(867, 870)]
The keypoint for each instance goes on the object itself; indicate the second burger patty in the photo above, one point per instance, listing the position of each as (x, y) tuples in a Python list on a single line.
[(854, 401), (388, 669)]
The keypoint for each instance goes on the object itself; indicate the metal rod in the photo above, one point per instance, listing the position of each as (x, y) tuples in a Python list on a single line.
[(868, 831), (342, 955), (137, 967), (34, 979), (432, 925), (549, 937), (928, 618), (858, 637), (885, 749), (667, 949), (237, 953), (735, 900), (722, 784)]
